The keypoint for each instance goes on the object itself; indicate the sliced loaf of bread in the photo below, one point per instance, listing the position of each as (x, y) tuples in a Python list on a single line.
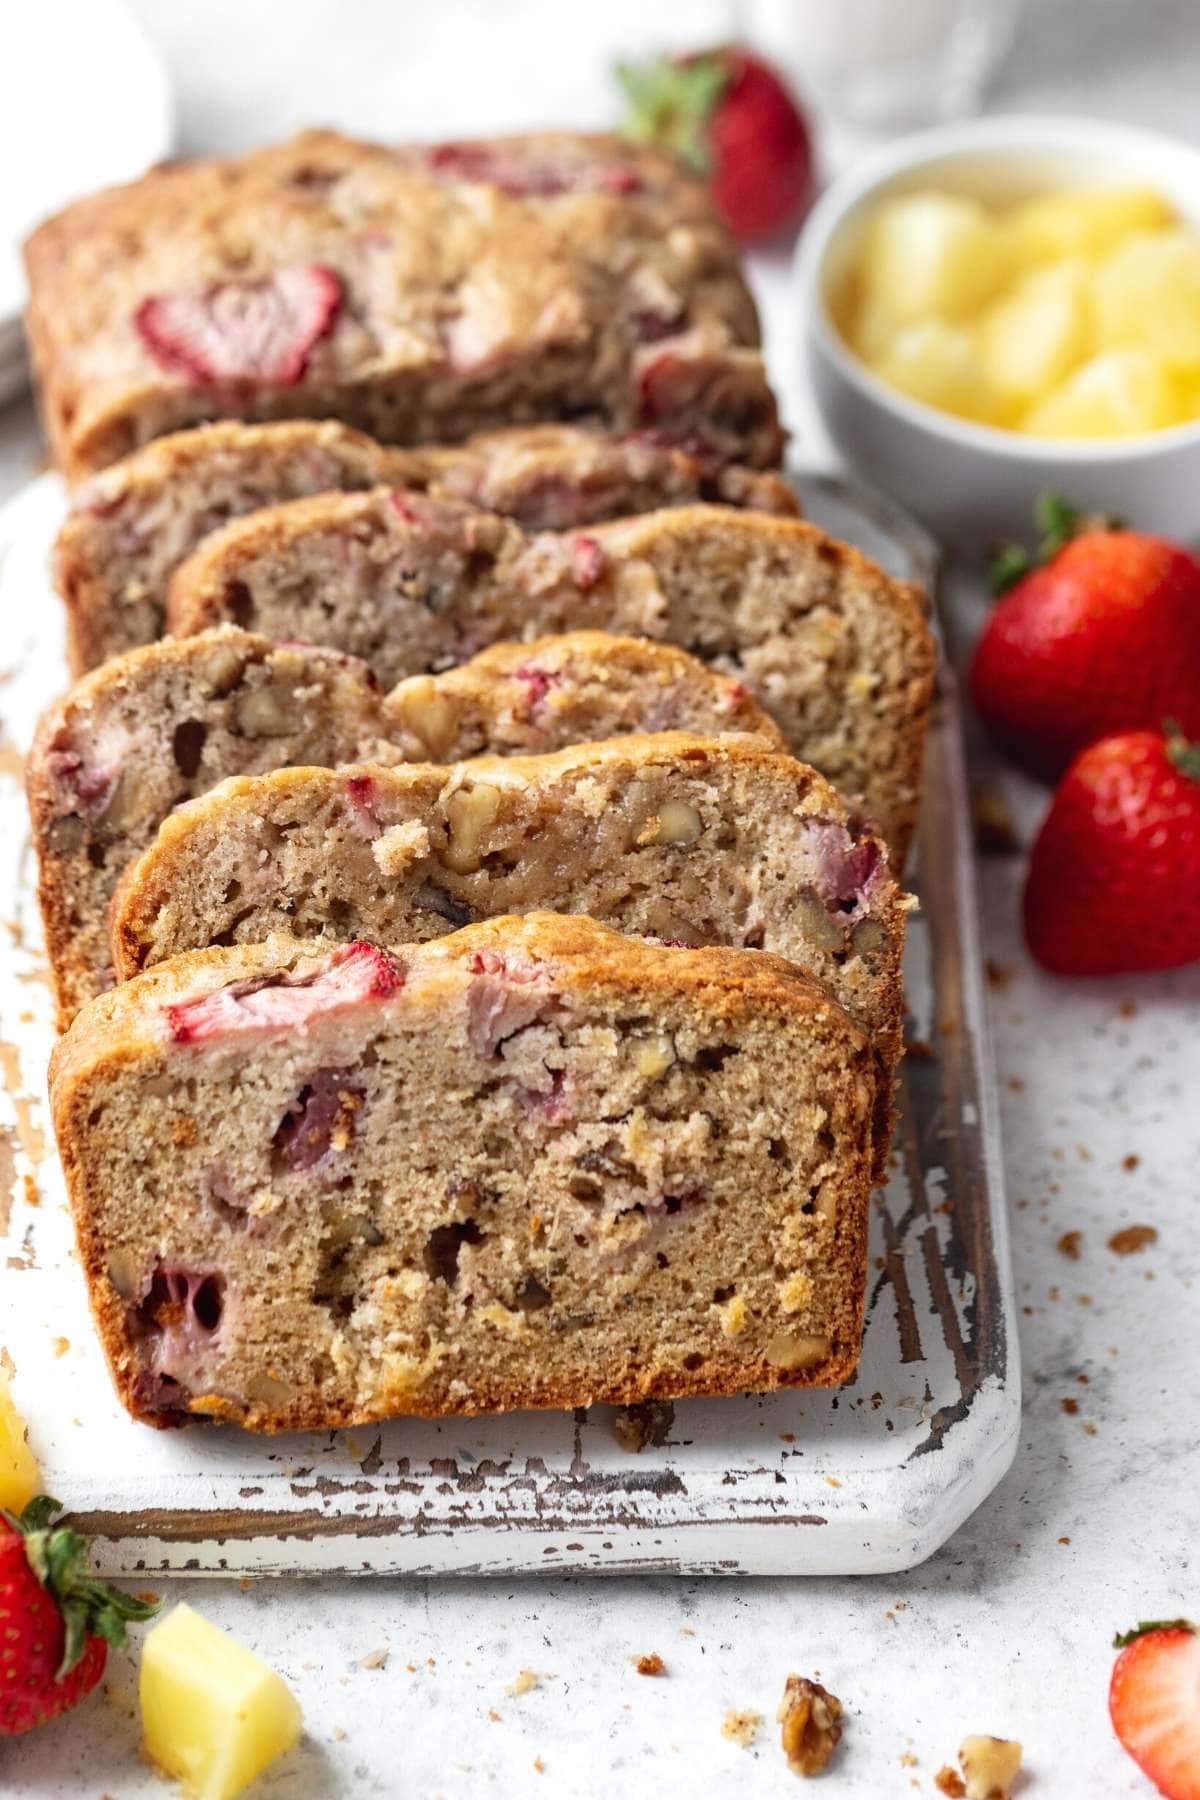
[(533, 1164), (837, 651), (132, 525), (688, 839), (162, 724)]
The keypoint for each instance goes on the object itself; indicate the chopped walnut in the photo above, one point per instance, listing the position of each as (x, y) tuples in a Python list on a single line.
[(990, 1765), (797, 1350), (811, 1718), (650, 1665), (948, 1781)]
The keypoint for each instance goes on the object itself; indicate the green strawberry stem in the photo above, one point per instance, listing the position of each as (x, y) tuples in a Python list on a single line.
[(1057, 522), (671, 103), (1181, 754), (88, 1607), (1147, 1625)]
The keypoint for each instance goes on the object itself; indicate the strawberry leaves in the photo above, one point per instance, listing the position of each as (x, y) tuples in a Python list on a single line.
[(1182, 755), (1057, 522), (1148, 1625), (672, 103), (89, 1608)]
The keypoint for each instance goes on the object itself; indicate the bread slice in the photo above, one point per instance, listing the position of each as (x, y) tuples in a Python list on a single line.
[(130, 526), (526, 699), (419, 292), (839, 653), (689, 839), (534, 1164), (164, 723)]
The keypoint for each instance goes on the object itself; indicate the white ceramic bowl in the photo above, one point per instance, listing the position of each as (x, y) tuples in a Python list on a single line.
[(968, 482)]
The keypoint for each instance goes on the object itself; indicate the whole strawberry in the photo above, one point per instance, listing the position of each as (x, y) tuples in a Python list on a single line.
[(1103, 636), (731, 119), (56, 1619), (1154, 1704), (1114, 877)]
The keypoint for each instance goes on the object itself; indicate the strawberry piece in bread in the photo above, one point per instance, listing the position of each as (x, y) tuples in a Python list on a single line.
[(242, 331)]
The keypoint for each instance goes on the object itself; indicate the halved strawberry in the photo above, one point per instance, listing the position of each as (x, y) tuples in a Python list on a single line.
[(1154, 1704), (350, 975), (259, 332)]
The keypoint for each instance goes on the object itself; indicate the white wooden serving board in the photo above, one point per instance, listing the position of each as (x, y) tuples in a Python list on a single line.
[(869, 1479)]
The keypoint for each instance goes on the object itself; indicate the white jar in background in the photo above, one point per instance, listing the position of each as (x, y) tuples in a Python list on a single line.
[(885, 63)]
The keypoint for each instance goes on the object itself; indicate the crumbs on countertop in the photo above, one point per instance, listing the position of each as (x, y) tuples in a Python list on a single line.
[(995, 834), (650, 1665), (1132, 1239), (647, 1423), (741, 1727)]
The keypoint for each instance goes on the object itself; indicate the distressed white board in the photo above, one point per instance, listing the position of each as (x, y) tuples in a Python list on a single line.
[(868, 1479)]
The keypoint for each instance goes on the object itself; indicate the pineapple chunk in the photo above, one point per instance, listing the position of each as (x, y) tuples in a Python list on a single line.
[(939, 364), (1084, 221), (1114, 395), (213, 1715), (932, 256), (1032, 339), (1148, 292), (19, 1477)]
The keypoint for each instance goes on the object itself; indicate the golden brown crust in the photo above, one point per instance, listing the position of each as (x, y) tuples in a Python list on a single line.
[(132, 523), (125, 1030), (118, 728), (471, 294)]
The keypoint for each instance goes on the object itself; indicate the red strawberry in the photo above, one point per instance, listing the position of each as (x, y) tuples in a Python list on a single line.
[(1114, 878), (257, 332), (729, 117), (1154, 1704), (56, 1620), (1104, 636)]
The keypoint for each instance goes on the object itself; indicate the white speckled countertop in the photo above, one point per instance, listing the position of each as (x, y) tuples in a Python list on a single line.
[(1008, 1628)]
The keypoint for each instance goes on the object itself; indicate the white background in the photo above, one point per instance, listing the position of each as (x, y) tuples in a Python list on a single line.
[(1008, 1628)]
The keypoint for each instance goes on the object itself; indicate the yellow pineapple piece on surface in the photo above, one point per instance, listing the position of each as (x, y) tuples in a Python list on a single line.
[(213, 1715), (1148, 292), (19, 1477), (1188, 387), (1030, 340), (1084, 221), (939, 364), (932, 256), (1116, 394)]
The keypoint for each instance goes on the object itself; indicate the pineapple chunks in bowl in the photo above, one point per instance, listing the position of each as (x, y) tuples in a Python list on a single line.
[(1073, 313)]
